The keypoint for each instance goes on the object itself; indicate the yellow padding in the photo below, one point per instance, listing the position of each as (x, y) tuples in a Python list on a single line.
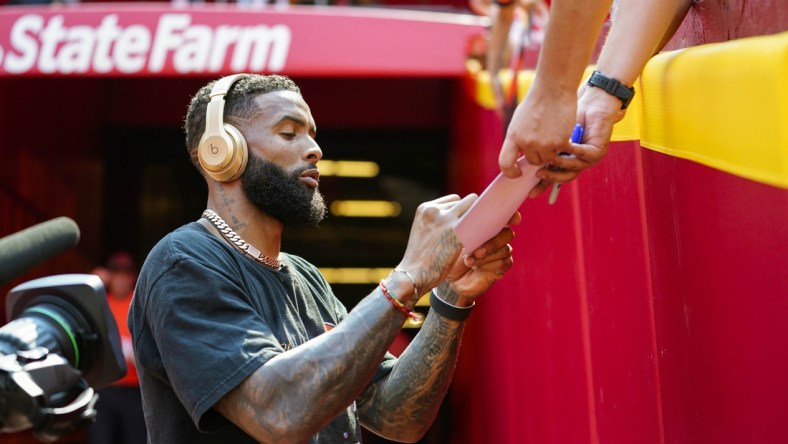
[(484, 92), (626, 129), (724, 105)]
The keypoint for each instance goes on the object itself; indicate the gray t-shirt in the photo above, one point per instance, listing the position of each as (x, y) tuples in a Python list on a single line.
[(205, 316)]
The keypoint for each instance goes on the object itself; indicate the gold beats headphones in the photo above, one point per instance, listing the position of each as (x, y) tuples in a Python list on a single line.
[(222, 151)]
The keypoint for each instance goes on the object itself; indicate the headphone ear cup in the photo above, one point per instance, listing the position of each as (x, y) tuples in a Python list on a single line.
[(237, 164), (213, 152), (224, 155), (222, 150)]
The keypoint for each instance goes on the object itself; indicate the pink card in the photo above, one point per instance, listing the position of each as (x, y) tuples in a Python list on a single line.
[(493, 209)]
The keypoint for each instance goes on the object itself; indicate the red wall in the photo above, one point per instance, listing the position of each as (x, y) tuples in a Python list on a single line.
[(646, 306)]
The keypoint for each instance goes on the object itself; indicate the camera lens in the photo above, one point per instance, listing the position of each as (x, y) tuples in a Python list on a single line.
[(47, 323)]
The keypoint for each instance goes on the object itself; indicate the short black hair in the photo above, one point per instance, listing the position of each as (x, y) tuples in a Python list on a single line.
[(239, 102)]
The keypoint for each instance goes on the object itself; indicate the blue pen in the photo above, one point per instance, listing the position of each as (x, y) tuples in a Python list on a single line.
[(577, 137)]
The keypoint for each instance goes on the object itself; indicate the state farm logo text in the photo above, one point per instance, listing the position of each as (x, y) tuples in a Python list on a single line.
[(50, 46)]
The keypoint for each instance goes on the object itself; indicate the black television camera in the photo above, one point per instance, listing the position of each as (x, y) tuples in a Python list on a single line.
[(59, 345)]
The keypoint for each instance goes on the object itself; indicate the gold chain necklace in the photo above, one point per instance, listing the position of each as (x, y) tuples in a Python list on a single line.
[(236, 240)]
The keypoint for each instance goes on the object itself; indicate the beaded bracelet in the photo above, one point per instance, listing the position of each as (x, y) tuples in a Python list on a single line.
[(448, 310), (399, 305)]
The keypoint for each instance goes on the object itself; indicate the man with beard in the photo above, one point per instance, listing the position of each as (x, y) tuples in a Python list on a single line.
[(237, 341)]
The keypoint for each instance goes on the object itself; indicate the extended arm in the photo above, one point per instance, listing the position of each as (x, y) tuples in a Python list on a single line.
[(542, 123), (640, 29)]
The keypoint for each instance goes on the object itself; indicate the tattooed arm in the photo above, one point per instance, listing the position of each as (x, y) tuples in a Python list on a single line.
[(403, 405), (295, 394)]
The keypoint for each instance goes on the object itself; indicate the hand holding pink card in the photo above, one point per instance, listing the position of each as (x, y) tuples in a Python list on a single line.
[(493, 209)]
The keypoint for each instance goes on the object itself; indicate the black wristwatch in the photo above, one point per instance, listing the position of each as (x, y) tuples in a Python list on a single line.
[(612, 87)]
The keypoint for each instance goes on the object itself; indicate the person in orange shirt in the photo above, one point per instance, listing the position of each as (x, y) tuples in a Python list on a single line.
[(119, 418)]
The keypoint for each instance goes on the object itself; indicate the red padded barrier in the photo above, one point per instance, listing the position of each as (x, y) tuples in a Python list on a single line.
[(646, 306)]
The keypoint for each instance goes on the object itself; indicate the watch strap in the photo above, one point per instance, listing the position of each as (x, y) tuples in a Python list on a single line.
[(612, 87), (447, 310)]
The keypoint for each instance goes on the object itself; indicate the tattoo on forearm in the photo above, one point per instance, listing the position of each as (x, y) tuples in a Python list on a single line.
[(447, 293), (411, 396), (297, 393), (447, 248)]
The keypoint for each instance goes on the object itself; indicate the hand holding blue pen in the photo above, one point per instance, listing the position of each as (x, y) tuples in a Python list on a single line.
[(577, 137)]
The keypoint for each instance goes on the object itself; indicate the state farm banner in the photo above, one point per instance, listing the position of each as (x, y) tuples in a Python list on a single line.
[(155, 40)]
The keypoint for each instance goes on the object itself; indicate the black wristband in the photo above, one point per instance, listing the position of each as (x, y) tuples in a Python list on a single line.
[(447, 310), (612, 87)]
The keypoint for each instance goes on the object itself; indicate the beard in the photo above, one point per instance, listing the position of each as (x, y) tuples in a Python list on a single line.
[(280, 194)]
